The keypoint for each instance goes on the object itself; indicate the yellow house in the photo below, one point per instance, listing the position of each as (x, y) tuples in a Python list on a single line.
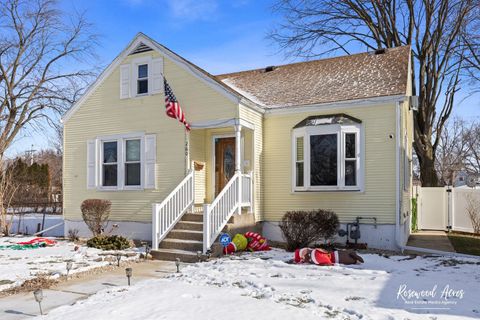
[(332, 134)]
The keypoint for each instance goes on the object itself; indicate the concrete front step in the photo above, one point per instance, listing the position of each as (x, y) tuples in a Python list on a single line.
[(196, 217), (187, 245), (173, 254), (189, 225), (185, 235)]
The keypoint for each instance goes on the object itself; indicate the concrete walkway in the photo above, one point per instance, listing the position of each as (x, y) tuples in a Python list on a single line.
[(24, 306), (435, 240)]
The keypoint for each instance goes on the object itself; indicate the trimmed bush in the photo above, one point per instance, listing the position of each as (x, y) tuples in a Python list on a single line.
[(302, 228), (109, 242), (95, 213)]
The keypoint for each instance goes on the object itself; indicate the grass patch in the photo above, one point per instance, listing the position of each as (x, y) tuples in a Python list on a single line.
[(414, 215), (465, 244)]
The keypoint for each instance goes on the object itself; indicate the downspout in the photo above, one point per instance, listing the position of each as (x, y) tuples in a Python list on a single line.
[(398, 235)]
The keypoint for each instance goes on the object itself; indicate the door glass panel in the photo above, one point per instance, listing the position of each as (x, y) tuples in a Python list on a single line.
[(323, 160), (228, 162)]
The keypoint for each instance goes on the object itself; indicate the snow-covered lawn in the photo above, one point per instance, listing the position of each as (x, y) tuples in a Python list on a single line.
[(265, 286), (17, 266)]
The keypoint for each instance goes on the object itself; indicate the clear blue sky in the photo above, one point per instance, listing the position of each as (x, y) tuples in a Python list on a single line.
[(217, 35)]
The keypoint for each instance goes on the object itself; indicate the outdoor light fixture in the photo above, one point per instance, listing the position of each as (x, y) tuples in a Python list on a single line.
[(177, 263), (119, 257), (209, 254), (69, 267), (128, 272), (147, 251), (38, 294), (199, 256)]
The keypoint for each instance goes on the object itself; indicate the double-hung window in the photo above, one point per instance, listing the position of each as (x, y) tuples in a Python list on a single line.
[(142, 79), (110, 164), (327, 155), (122, 163), (133, 162)]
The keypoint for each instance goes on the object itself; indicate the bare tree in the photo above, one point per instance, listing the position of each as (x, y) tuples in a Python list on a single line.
[(437, 31), (40, 51), (452, 151), (472, 141), (473, 210), (8, 188)]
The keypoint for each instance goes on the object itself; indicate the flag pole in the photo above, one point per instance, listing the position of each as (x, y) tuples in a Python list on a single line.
[(187, 151)]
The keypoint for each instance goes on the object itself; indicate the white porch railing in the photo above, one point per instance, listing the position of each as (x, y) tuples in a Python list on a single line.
[(235, 195), (167, 213)]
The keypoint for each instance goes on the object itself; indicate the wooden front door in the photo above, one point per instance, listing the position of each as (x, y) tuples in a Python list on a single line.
[(224, 162)]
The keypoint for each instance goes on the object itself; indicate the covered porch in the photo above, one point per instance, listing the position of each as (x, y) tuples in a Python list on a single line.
[(220, 164), (217, 150)]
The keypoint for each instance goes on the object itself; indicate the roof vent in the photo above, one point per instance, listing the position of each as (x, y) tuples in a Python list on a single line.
[(141, 48), (380, 51), (270, 68)]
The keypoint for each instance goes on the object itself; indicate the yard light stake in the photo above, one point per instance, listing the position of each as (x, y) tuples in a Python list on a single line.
[(119, 257), (147, 251), (69, 267), (177, 263), (38, 294), (128, 272)]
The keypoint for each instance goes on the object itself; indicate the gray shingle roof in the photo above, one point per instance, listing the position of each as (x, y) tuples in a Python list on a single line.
[(342, 78)]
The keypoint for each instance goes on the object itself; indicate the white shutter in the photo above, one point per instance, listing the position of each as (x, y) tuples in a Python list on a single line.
[(156, 76), (150, 160), (91, 164), (125, 81)]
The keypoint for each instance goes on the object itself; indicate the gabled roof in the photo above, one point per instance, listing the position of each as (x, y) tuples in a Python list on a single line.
[(143, 43), (358, 76)]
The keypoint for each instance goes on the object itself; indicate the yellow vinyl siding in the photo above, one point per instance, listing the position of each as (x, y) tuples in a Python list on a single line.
[(256, 119), (104, 113), (378, 197)]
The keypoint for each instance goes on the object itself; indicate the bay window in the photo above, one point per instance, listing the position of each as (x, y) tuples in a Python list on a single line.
[(326, 153)]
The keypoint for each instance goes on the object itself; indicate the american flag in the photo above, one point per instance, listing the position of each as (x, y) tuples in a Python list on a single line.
[(172, 107)]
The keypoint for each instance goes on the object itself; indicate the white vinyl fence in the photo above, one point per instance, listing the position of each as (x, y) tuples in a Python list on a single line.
[(444, 208)]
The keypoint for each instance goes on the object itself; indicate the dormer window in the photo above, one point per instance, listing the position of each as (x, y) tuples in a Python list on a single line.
[(142, 79)]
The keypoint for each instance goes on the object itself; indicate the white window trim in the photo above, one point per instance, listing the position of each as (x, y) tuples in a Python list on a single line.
[(134, 76), (121, 160), (340, 131)]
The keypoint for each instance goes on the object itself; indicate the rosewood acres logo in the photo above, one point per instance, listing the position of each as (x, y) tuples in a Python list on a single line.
[(434, 298)]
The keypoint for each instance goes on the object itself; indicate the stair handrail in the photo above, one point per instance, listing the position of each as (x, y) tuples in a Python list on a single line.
[(168, 212), (217, 214)]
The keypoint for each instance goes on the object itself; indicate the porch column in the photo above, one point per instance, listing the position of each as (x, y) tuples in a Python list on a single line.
[(238, 167), (238, 137)]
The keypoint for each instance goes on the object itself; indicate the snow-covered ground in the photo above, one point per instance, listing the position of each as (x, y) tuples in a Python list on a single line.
[(16, 266), (266, 286)]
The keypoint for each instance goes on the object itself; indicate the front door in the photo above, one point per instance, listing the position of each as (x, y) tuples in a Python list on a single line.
[(224, 162)]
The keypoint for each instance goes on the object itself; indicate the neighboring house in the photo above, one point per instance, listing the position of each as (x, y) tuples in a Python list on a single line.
[(332, 134)]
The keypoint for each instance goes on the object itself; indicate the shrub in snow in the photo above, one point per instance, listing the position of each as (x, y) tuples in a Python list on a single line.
[(301, 228), (95, 213), (73, 235), (109, 242)]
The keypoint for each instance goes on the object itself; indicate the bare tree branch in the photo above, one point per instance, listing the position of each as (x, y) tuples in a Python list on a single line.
[(40, 51), (443, 35)]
